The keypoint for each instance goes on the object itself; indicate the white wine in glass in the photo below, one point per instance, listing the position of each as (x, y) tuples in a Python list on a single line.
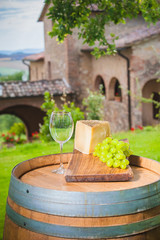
[(61, 128)]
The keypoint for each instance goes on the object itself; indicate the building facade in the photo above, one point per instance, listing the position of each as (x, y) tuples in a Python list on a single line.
[(134, 70)]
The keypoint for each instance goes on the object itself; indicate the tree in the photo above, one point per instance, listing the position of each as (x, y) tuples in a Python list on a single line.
[(13, 77), (67, 15)]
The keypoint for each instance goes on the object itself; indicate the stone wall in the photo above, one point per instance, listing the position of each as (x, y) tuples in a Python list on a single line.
[(145, 65), (56, 66), (37, 70)]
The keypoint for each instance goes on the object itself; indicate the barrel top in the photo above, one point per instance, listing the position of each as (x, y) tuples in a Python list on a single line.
[(38, 172), (44, 178)]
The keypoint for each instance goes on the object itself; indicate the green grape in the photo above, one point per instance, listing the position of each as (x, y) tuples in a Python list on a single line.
[(116, 163), (110, 162), (103, 159), (107, 140), (109, 155), (94, 154), (126, 152), (130, 152), (98, 154), (120, 145), (123, 165), (106, 147), (122, 156), (114, 158), (126, 146), (113, 150), (125, 161), (117, 156), (97, 148), (103, 154), (114, 142), (120, 152)]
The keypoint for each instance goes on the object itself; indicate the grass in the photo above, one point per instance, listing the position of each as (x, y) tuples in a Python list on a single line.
[(145, 143), (9, 157)]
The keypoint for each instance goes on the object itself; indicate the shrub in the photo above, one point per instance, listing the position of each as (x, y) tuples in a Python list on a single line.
[(35, 135), (49, 105), (18, 129), (76, 113), (7, 121), (8, 138), (13, 77), (94, 104)]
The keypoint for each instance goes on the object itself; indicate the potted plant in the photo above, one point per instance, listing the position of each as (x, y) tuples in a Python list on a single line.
[(117, 97)]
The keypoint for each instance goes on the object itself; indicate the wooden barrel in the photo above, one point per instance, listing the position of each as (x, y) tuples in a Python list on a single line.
[(42, 205)]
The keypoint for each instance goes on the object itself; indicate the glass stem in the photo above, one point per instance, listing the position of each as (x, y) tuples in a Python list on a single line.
[(61, 151)]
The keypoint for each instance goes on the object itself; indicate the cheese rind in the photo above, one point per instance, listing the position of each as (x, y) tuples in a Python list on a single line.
[(89, 133)]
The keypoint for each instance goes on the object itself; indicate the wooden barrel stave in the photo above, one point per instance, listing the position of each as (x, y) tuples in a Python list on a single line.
[(121, 214), (16, 232)]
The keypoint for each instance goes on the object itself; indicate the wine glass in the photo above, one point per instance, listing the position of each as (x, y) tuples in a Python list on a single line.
[(61, 128)]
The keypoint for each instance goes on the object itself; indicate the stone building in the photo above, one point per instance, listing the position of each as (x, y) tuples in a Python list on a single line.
[(134, 69), (35, 65)]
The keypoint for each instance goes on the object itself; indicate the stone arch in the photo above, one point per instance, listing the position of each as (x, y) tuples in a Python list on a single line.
[(148, 109), (115, 92), (31, 116), (99, 81)]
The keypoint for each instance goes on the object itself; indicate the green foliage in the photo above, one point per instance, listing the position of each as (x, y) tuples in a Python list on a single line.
[(8, 138), (13, 77), (6, 121), (94, 104), (48, 106), (76, 113), (67, 15), (18, 129)]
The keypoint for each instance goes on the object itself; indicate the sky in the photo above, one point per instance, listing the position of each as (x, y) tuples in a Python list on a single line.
[(19, 26)]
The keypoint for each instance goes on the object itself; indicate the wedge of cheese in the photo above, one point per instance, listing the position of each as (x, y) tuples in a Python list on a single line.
[(89, 133)]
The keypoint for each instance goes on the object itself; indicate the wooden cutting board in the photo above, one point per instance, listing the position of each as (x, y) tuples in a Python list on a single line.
[(87, 168)]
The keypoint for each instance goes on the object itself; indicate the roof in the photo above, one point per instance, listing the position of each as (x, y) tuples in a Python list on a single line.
[(43, 12), (35, 88), (132, 38), (35, 57)]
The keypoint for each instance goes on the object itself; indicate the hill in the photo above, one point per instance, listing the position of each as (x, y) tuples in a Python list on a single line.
[(19, 54)]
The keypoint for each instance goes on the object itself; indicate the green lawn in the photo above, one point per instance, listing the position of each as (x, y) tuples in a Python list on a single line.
[(143, 142)]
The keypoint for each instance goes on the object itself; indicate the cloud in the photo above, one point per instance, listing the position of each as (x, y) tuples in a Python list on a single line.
[(18, 24)]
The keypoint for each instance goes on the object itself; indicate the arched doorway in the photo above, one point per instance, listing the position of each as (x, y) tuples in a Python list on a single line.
[(149, 110), (7, 121), (115, 92), (99, 84), (31, 117), (12, 129)]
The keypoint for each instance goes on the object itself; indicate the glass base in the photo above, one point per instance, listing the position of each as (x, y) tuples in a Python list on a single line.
[(60, 170)]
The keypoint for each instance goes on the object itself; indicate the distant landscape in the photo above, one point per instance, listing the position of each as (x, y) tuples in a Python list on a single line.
[(11, 61)]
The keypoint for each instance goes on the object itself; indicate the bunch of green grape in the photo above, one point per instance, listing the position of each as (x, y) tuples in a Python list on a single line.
[(113, 152)]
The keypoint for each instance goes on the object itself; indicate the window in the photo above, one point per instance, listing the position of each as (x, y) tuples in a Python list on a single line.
[(100, 83), (156, 110), (115, 90)]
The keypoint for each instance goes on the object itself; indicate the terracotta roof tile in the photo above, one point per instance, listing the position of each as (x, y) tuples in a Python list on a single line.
[(132, 38), (35, 88), (35, 57)]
